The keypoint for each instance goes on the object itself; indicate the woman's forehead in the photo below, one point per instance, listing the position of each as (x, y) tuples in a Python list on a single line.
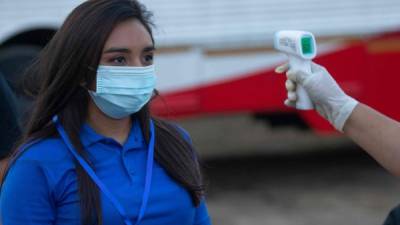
[(131, 34)]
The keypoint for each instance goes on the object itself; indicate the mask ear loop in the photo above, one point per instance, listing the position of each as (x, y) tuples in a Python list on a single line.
[(92, 69), (84, 84)]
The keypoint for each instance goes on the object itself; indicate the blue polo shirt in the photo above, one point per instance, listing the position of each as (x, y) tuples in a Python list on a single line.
[(41, 187)]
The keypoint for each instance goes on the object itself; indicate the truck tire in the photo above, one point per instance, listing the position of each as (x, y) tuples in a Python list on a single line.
[(13, 61), (9, 126)]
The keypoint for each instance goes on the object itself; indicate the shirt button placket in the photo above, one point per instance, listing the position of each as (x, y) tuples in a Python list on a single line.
[(125, 165)]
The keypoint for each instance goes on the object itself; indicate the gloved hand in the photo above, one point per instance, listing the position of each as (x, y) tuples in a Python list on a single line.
[(328, 98)]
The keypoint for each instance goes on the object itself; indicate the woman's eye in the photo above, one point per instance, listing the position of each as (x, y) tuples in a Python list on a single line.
[(148, 58), (119, 60)]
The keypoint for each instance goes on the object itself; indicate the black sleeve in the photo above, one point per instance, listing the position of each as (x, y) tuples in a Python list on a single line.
[(9, 128), (394, 217)]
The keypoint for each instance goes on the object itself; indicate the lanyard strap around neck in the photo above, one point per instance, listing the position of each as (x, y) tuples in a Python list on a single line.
[(100, 184)]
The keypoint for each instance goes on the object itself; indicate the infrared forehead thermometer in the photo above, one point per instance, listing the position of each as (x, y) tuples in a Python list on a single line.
[(301, 48)]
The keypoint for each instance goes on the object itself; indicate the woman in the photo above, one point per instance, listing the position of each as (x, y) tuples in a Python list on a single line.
[(86, 156)]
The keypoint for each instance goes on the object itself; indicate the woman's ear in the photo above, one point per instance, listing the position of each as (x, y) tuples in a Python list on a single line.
[(83, 84), (88, 86)]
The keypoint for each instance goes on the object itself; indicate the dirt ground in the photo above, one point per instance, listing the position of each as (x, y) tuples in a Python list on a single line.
[(314, 188), (258, 175)]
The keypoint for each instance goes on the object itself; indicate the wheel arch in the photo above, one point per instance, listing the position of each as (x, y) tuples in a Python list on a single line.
[(37, 36)]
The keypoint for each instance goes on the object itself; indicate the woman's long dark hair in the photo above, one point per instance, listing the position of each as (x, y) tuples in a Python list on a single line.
[(61, 68)]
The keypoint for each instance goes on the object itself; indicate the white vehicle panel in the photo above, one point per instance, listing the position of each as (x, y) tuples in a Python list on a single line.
[(224, 23)]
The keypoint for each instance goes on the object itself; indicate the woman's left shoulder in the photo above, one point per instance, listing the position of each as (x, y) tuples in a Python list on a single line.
[(182, 131)]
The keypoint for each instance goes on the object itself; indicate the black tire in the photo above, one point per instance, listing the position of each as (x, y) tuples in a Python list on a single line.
[(9, 126), (13, 62)]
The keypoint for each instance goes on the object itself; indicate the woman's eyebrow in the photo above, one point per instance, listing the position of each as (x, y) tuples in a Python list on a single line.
[(149, 48), (122, 50), (127, 50)]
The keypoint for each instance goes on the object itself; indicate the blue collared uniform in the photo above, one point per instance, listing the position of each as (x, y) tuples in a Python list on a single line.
[(41, 187)]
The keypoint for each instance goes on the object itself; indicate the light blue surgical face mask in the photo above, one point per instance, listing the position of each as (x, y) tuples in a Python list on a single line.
[(122, 90)]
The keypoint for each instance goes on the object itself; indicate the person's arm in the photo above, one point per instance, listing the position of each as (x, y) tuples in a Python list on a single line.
[(377, 134), (374, 132)]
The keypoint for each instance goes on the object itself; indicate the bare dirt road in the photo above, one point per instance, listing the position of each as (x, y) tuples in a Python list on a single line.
[(261, 175), (321, 188)]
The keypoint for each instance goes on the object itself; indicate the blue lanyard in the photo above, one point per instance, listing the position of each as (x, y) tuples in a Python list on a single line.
[(100, 184)]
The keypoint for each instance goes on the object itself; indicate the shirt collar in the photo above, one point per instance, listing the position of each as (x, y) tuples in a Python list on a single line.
[(135, 138)]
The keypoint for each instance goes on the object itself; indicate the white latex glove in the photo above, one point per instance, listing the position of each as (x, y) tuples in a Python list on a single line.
[(328, 98)]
